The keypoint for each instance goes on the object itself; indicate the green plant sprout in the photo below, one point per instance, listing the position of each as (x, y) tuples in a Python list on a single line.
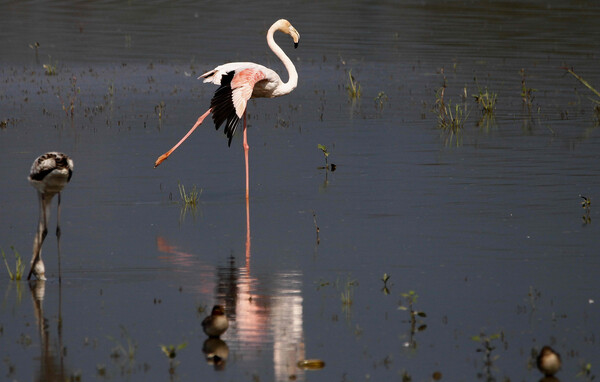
[(410, 299), (328, 167), (380, 100), (487, 348), (160, 109), (354, 89), (19, 267), (171, 352), (50, 67), (586, 204), (385, 279), (526, 92)]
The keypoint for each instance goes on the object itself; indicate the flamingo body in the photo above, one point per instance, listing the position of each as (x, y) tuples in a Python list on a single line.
[(240, 81)]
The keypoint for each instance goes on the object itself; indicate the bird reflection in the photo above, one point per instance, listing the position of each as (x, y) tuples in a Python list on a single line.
[(216, 352), (49, 174), (52, 366)]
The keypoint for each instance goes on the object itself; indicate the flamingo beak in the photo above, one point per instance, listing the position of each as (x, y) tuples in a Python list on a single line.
[(295, 45)]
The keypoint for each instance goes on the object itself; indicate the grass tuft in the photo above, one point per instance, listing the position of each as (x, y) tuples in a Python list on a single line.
[(191, 198), (50, 67), (451, 119), (487, 101), (19, 267)]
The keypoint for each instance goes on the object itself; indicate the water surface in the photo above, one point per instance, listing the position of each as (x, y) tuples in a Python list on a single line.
[(485, 226)]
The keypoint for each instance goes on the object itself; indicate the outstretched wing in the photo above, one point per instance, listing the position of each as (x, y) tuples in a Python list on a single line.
[(230, 99)]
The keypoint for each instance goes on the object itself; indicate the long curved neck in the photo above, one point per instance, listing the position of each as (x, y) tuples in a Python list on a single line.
[(290, 85)]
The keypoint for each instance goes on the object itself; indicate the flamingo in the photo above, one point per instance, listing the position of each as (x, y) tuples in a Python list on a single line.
[(49, 174), (240, 81)]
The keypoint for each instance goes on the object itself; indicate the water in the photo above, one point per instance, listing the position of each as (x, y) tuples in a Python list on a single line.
[(485, 227)]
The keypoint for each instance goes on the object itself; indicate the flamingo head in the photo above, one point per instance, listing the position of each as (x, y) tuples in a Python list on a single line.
[(286, 27)]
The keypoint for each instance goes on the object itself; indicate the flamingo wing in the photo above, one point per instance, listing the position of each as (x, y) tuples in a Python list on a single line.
[(230, 99)]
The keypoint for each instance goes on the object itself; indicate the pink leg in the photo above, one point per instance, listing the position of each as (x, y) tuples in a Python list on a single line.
[(246, 148), (166, 155)]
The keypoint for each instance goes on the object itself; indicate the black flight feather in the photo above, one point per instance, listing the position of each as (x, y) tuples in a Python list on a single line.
[(222, 107)]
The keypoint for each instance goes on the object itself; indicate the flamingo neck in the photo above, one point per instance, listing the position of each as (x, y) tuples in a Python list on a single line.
[(290, 85)]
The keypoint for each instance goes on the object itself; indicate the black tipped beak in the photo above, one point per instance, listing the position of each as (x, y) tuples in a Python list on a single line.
[(295, 45)]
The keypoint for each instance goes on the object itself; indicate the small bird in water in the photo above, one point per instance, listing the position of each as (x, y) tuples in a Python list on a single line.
[(217, 323), (548, 361), (49, 174)]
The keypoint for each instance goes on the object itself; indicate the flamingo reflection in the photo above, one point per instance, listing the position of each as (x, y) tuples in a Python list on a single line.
[(52, 366), (256, 320)]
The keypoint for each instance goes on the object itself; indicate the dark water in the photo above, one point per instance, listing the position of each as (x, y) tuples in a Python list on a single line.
[(485, 226)]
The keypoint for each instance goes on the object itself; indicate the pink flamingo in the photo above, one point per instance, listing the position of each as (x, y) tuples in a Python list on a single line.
[(240, 81)]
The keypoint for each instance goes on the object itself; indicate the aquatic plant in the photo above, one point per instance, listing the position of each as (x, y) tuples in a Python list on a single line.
[(50, 67), (586, 371), (35, 47), (526, 92), (380, 100), (191, 198), (385, 279), (160, 109), (347, 290), (316, 226), (587, 84), (451, 120), (125, 351), (170, 351), (19, 266), (70, 110), (487, 101), (487, 348), (410, 298), (587, 206), (353, 87), (584, 82), (328, 167)]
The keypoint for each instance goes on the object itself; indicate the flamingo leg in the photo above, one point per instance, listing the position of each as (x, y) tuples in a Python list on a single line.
[(40, 236), (58, 237), (246, 148), (166, 155)]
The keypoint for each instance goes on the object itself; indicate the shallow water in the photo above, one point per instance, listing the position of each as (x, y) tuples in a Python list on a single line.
[(485, 226)]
